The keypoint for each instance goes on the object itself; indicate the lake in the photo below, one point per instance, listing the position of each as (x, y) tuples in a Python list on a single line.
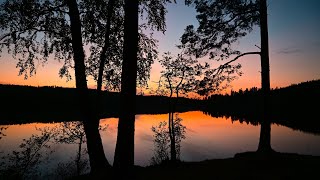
[(207, 137)]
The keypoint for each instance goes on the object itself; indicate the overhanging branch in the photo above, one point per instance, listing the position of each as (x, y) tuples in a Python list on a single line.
[(221, 67), (239, 56)]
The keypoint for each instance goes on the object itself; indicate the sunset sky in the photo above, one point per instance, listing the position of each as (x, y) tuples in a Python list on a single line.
[(294, 42)]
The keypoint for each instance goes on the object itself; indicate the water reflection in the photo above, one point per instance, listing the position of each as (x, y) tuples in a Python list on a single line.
[(60, 146), (23, 162), (41, 148), (73, 133), (163, 134)]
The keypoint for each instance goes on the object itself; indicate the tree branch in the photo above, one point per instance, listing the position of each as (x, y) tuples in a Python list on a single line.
[(234, 16), (220, 68), (181, 79), (53, 32), (167, 76), (239, 56), (56, 8), (4, 36)]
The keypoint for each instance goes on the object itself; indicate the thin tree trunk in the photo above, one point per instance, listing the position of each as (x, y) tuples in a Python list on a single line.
[(173, 141), (103, 55), (171, 126), (265, 140), (79, 156), (124, 152), (97, 157), (173, 153)]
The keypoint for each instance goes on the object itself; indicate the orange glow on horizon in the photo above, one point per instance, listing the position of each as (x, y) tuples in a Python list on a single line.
[(48, 76)]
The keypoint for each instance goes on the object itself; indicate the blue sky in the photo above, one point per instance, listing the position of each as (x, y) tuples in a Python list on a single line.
[(294, 42)]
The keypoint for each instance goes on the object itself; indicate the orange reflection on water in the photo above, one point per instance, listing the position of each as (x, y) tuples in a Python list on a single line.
[(198, 122), (16, 133), (21, 130), (206, 136)]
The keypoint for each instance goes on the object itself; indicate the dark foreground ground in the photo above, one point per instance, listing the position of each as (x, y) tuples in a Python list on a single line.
[(249, 165)]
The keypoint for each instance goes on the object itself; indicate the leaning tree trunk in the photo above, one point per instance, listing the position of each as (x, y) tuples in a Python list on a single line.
[(103, 58), (97, 157), (124, 152), (103, 55), (265, 136)]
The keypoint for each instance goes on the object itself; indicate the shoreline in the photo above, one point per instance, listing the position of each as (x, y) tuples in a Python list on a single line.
[(246, 165)]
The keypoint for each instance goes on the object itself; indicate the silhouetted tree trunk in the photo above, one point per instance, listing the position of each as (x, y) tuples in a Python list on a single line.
[(173, 152), (173, 105), (124, 152), (265, 140), (97, 157), (78, 159), (103, 56)]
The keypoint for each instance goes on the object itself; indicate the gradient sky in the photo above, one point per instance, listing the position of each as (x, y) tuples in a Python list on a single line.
[(294, 43)]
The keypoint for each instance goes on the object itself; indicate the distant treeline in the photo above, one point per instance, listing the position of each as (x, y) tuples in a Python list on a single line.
[(22, 104), (295, 106)]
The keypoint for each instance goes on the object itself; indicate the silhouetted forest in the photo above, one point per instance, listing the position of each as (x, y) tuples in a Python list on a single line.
[(23, 104), (294, 106)]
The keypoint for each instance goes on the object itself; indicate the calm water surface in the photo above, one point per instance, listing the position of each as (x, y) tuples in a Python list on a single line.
[(206, 138)]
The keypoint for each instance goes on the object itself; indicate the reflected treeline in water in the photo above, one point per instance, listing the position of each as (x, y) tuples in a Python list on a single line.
[(32, 157), (253, 119), (49, 98), (292, 106), (299, 122), (163, 145)]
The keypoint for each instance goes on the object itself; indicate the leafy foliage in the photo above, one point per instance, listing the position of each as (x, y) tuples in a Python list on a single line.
[(33, 31), (161, 143), (217, 79), (180, 74), (162, 140), (221, 23), (23, 163), (33, 152), (154, 13), (73, 133), (70, 132), (180, 132)]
